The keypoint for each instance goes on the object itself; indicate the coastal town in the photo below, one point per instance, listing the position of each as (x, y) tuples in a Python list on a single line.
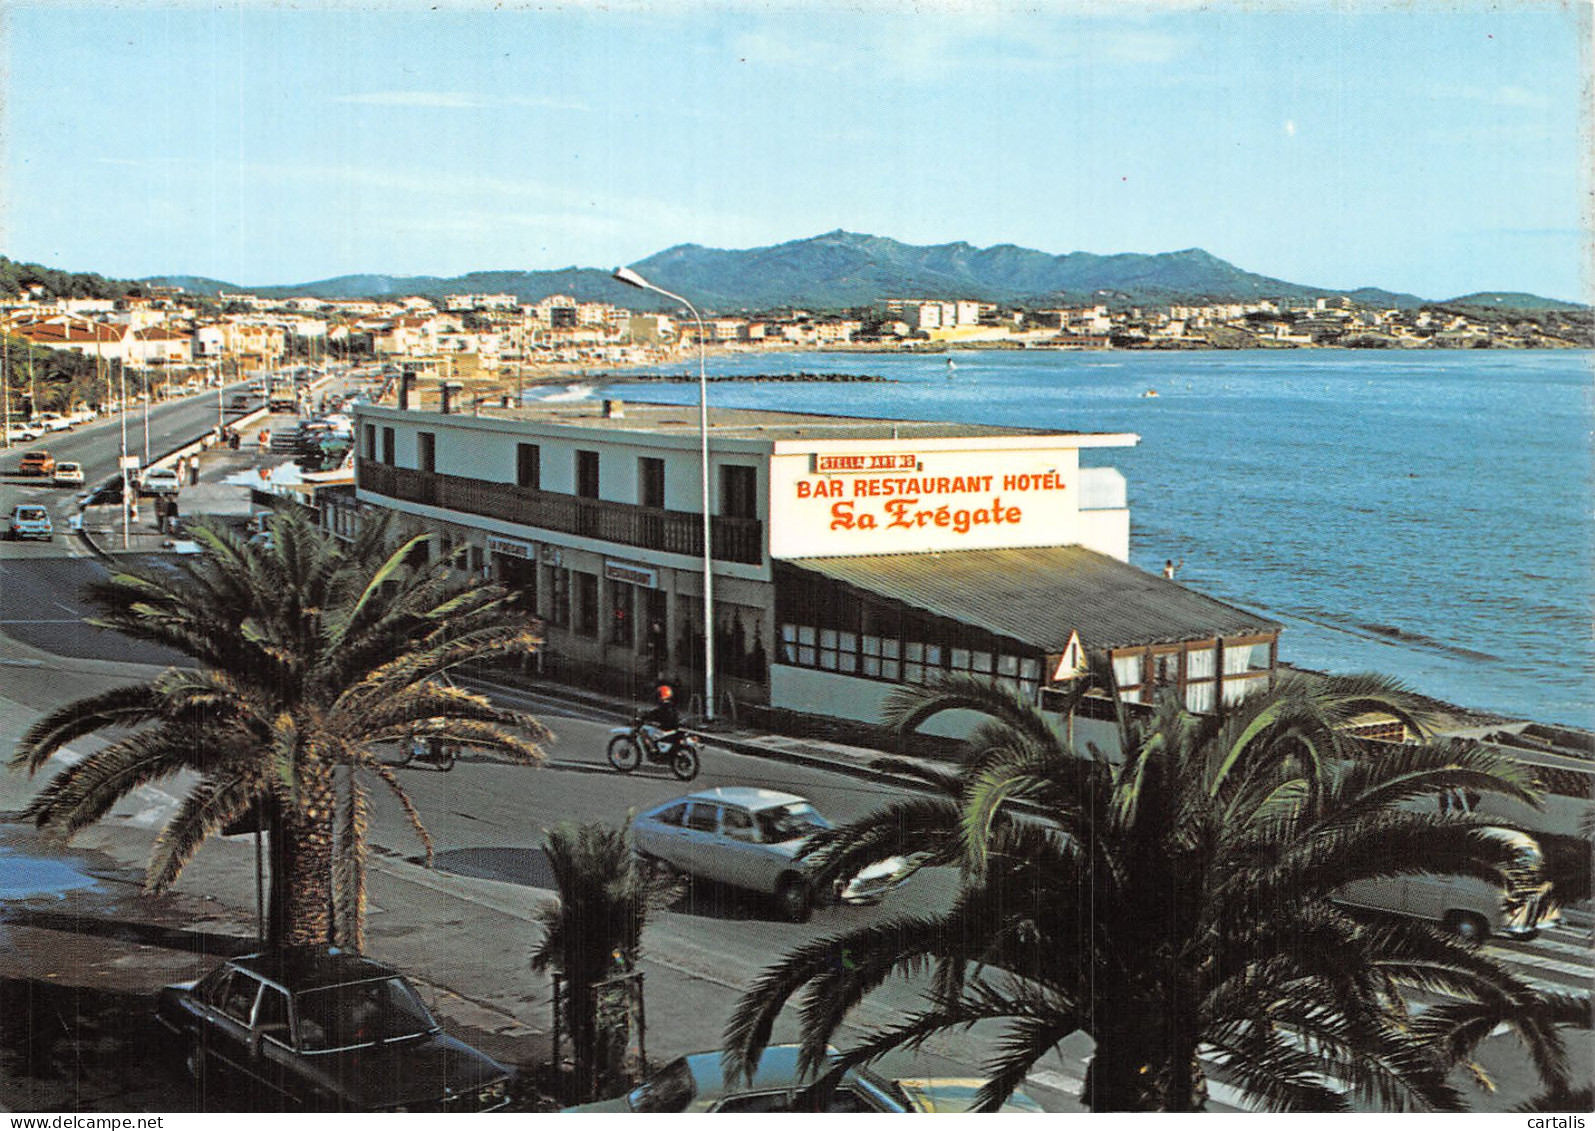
[(661, 558), (176, 340)]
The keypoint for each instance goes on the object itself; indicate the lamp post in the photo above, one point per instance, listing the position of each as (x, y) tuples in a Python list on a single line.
[(631, 278), (127, 486)]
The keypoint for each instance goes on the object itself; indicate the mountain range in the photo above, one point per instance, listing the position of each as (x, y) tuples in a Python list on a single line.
[(841, 269)]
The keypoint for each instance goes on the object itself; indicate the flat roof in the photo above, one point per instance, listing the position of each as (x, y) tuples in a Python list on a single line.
[(741, 423), (1042, 595)]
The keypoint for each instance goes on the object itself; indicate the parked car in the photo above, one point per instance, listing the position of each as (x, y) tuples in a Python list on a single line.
[(325, 1028), (108, 492), (37, 462), (67, 472), (696, 1083), (52, 422), (749, 838), (26, 433), (29, 520), (1467, 905), (159, 481)]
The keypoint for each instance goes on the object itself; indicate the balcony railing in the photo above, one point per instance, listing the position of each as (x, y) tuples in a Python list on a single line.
[(648, 528)]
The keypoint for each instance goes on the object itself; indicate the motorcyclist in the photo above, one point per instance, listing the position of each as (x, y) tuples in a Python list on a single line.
[(665, 718)]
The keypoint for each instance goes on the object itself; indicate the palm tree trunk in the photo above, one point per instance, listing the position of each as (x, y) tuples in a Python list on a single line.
[(308, 846)]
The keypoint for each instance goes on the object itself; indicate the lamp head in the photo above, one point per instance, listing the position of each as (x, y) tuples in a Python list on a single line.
[(631, 278)]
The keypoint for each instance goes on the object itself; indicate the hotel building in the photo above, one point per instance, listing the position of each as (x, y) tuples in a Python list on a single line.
[(850, 555)]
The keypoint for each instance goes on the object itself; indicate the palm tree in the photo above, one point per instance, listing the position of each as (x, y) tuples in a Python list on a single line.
[(310, 655), (1180, 900), (591, 935)]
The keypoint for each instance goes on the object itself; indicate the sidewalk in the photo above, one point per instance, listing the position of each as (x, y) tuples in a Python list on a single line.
[(102, 526)]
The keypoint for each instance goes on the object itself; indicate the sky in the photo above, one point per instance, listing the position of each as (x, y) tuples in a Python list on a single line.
[(1437, 149)]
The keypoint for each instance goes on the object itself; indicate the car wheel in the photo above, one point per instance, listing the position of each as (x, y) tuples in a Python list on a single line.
[(795, 898), (1468, 926), (623, 753)]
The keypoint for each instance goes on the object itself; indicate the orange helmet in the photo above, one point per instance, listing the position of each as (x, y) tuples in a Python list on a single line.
[(665, 693)]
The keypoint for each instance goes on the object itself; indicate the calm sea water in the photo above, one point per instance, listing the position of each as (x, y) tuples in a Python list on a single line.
[(1422, 514)]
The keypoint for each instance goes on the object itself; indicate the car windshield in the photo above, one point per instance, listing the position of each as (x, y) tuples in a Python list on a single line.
[(30, 514), (671, 1090), (362, 1013), (789, 822)]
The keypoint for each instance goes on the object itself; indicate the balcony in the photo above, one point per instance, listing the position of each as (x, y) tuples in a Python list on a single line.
[(648, 528)]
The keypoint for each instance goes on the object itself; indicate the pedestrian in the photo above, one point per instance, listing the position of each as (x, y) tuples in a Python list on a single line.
[(193, 470), (1170, 567), (265, 440)]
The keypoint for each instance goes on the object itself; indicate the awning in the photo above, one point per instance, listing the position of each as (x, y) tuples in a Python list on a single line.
[(1040, 596)]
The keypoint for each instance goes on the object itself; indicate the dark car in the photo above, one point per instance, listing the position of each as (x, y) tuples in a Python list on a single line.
[(326, 1029), (108, 492)]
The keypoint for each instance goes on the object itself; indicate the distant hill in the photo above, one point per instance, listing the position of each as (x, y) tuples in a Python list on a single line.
[(1511, 300), (840, 269)]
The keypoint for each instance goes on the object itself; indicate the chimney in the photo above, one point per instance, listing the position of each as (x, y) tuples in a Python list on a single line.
[(614, 410)]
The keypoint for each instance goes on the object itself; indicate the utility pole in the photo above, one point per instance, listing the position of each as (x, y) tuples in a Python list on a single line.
[(5, 380)]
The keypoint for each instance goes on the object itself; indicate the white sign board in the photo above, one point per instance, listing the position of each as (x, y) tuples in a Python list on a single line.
[(824, 505), (1072, 663), (127, 463)]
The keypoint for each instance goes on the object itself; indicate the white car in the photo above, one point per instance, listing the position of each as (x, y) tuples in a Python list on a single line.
[(25, 432), (160, 481), (52, 422), (749, 838), (67, 472)]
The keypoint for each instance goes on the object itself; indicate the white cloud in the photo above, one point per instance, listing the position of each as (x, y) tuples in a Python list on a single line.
[(1290, 127)]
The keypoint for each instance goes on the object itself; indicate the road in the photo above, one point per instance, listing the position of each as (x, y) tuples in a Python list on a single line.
[(470, 925)]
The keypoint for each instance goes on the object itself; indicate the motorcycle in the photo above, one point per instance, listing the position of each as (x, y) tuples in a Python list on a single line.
[(631, 745), (431, 752)]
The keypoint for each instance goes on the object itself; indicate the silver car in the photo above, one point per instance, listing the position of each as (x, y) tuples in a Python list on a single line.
[(749, 838)]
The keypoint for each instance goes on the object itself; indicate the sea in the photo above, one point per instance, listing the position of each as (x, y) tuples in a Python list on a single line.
[(1422, 514)]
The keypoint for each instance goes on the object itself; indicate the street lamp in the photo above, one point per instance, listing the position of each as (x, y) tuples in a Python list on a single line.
[(631, 278)]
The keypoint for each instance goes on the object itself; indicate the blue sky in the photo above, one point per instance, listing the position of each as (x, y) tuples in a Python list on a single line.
[(1437, 149)]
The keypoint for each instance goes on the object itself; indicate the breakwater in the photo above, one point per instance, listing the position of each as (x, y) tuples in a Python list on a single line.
[(798, 377)]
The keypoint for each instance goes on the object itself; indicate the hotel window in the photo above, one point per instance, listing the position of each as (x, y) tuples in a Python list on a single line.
[(559, 596), (1199, 680), (1127, 677), (585, 586), (650, 482), (426, 451), (1030, 676), (879, 656), (621, 618), (587, 474), (1248, 666), (913, 662), (371, 442), (739, 491), (387, 446), (847, 652), (797, 640), (528, 466)]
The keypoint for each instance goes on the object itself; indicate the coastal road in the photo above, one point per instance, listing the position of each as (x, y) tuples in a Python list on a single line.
[(470, 924)]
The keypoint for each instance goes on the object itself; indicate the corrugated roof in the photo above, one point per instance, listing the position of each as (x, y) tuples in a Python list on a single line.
[(1040, 595)]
